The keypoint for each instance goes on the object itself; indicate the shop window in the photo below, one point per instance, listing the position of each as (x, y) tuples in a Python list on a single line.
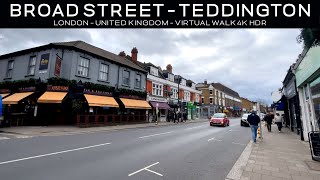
[(10, 69), (103, 72), (83, 67), (126, 78), (315, 95), (32, 65), (138, 81)]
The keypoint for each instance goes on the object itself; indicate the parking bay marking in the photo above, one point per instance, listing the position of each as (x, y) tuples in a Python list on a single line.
[(214, 139), (146, 168), (50, 154), (156, 134)]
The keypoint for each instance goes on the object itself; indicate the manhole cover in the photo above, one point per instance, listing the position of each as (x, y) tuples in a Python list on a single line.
[(313, 165)]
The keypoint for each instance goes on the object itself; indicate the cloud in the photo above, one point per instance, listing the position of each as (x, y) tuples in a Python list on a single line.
[(253, 62)]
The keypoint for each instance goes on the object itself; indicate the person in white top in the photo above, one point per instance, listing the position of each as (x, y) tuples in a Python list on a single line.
[(278, 121)]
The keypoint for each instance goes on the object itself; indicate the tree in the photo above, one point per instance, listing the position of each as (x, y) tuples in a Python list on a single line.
[(310, 37)]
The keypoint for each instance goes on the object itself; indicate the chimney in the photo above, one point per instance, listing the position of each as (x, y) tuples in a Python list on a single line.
[(122, 54), (169, 68), (205, 81), (134, 55)]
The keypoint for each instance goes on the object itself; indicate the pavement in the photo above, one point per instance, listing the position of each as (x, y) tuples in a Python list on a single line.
[(31, 131), (185, 151), (278, 156)]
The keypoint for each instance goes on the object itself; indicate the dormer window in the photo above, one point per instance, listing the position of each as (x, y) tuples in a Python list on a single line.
[(171, 77), (154, 71)]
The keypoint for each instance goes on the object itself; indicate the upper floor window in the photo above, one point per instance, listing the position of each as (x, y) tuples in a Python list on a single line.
[(186, 96), (126, 78), (32, 65), (183, 82), (202, 99), (197, 97), (211, 100), (138, 80), (174, 93), (103, 72), (211, 92), (83, 67), (157, 89), (154, 71), (10, 69), (170, 77)]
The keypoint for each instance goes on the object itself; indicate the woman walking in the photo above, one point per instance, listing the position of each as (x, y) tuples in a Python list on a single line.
[(278, 121)]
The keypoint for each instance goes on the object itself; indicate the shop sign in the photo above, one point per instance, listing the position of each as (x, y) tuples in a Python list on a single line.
[(291, 89), (57, 68), (58, 88), (44, 62), (157, 99), (4, 91), (27, 89)]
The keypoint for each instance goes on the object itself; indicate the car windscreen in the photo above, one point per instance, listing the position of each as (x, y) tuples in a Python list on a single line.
[(218, 115), (245, 116)]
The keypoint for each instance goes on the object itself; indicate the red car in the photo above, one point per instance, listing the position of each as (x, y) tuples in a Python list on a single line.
[(219, 119)]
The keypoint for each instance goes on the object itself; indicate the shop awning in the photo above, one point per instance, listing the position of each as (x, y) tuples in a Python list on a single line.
[(101, 101), (135, 104), (15, 98), (4, 95), (161, 105), (52, 97)]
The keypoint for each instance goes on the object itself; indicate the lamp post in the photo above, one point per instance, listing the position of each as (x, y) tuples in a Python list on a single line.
[(179, 80)]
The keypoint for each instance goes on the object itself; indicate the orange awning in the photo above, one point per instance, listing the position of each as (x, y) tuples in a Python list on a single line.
[(4, 95), (15, 98), (52, 97), (101, 101), (135, 104)]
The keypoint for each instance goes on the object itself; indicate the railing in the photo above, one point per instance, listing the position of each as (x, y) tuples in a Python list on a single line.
[(89, 120)]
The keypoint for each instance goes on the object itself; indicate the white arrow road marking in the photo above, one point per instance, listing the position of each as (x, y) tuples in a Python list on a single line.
[(156, 134), (146, 168), (50, 154), (214, 139), (193, 127), (239, 144)]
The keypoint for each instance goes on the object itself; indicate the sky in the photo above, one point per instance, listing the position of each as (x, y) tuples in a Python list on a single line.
[(252, 62)]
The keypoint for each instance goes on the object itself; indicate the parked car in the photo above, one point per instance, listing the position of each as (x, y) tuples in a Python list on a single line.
[(244, 120), (219, 119)]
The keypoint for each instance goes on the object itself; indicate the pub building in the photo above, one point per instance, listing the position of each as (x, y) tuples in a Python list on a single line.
[(77, 83)]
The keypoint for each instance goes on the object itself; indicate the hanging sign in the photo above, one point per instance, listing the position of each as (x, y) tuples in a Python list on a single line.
[(44, 62), (57, 68)]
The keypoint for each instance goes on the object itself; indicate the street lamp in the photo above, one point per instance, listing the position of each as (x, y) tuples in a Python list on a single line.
[(179, 80)]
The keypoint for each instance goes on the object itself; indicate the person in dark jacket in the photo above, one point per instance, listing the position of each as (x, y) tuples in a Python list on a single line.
[(254, 120), (268, 118)]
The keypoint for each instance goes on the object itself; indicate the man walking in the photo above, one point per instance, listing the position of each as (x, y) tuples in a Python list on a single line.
[(254, 121), (268, 118)]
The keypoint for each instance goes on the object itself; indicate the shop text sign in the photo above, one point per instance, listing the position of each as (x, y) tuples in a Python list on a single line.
[(163, 13)]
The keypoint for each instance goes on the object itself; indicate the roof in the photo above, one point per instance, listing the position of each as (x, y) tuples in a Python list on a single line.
[(83, 47), (146, 67), (224, 88)]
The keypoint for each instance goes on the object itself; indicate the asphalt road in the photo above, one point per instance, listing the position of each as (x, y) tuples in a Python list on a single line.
[(184, 151)]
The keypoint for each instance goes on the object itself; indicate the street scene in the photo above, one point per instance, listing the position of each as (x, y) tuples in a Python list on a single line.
[(160, 104)]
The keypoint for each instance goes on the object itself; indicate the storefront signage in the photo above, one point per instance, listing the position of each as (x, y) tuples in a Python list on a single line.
[(27, 89), (314, 142), (4, 91), (44, 62), (291, 89), (57, 67), (157, 99), (58, 88)]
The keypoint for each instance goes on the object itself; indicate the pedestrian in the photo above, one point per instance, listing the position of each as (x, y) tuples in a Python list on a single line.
[(174, 117), (179, 116), (254, 120), (278, 121), (268, 119)]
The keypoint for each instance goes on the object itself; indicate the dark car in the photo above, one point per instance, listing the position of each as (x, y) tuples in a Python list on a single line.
[(244, 120), (219, 119)]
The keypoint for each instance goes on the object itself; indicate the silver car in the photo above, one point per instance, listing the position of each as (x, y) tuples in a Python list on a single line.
[(244, 120)]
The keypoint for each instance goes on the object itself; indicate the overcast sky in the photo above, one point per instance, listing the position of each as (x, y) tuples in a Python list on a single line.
[(252, 62)]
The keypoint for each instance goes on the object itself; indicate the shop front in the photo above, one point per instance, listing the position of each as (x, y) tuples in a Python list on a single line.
[(307, 73), (160, 108)]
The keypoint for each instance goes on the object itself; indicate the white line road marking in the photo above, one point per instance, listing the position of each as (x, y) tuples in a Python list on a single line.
[(193, 127), (154, 172), (239, 144), (146, 168), (214, 139), (156, 134), (50, 154)]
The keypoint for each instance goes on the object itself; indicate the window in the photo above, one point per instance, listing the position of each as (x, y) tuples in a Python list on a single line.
[(10, 69), (32, 65), (211, 100), (215, 100), (197, 97), (216, 93), (174, 93), (83, 67), (183, 82), (211, 91), (138, 81), (103, 72), (186, 96), (170, 77), (154, 71), (157, 89), (126, 78), (219, 101), (202, 100)]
